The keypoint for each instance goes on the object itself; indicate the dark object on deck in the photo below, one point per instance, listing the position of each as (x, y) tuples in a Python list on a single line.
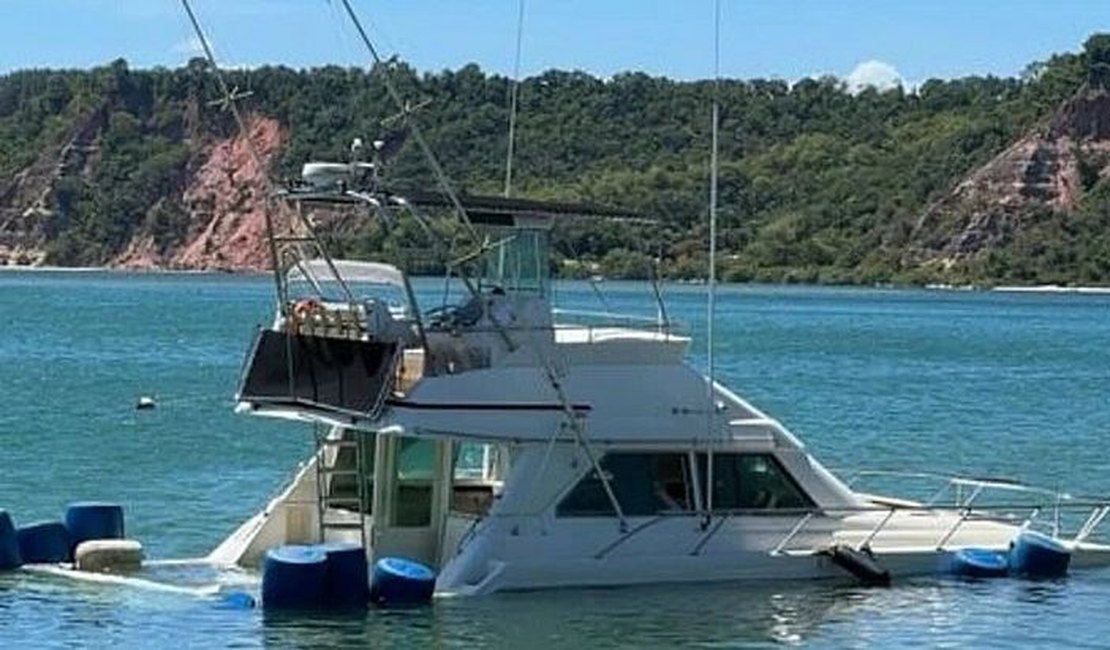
[(860, 564), (9, 544), (333, 374), (45, 542), (980, 563)]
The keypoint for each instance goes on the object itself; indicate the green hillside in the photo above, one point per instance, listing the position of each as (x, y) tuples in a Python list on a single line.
[(817, 184)]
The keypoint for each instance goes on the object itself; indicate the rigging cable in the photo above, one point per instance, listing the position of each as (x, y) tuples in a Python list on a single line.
[(711, 304), (229, 100), (229, 97), (417, 133), (445, 185), (514, 94)]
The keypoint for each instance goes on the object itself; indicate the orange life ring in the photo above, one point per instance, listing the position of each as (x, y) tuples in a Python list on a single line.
[(304, 308)]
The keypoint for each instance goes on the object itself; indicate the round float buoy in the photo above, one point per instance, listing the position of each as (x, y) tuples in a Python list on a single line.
[(91, 520), (108, 556), (293, 577), (9, 544), (398, 581), (45, 542), (1037, 555), (980, 563), (346, 581)]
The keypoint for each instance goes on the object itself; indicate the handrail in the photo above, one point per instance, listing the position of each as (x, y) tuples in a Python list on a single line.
[(560, 311), (1101, 510), (997, 483)]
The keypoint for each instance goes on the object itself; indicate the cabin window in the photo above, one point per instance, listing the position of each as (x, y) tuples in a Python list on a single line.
[(475, 470), (644, 483), (517, 260), (751, 482), (415, 462)]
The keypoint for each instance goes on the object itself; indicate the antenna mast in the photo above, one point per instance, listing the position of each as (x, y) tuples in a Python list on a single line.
[(514, 93), (711, 300)]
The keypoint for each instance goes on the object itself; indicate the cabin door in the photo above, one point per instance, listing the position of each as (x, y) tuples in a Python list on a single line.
[(411, 497)]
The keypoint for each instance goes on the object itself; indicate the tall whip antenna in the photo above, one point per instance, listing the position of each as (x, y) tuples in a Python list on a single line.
[(711, 300), (514, 93)]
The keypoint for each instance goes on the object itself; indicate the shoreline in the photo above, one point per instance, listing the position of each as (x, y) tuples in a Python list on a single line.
[(936, 287), (117, 269)]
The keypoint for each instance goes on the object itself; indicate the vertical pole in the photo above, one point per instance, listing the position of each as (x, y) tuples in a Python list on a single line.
[(711, 304), (514, 93)]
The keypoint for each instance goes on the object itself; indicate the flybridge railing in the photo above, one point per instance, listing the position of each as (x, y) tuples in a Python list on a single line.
[(593, 320)]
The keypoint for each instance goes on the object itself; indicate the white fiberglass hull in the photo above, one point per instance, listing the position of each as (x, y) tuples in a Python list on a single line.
[(745, 549)]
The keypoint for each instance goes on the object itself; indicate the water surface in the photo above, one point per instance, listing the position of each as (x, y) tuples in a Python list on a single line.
[(981, 384)]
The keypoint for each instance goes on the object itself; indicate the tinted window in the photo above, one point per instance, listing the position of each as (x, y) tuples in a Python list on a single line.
[(751, 482), (644, 484), (414, 463)]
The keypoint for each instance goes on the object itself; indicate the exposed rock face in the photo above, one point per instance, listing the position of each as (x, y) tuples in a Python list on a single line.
[(225, 199), (1045, 169), (25, 200), (222, 194)]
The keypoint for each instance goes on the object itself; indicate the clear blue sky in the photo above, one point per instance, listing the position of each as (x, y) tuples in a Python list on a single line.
[(767, 38)]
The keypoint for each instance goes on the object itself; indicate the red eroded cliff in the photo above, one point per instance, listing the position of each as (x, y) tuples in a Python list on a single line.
[(224, 196)]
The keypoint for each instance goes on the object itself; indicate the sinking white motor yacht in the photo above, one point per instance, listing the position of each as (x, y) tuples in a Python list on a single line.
[(512, 447)]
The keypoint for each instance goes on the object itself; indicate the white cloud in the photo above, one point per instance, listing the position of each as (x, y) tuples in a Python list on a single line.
[(190, 46), (874, 74)]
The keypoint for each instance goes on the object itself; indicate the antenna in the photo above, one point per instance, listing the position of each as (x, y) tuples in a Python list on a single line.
[(514, 94), (711, 299)]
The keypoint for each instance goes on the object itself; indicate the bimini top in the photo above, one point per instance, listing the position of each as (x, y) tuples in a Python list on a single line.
[(350, 271)]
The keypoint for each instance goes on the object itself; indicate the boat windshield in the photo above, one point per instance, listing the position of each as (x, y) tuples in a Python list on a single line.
[(517, 260)]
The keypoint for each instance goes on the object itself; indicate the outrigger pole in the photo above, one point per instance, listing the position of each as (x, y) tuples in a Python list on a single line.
[(229, 99), (417, 134), (711, 285)]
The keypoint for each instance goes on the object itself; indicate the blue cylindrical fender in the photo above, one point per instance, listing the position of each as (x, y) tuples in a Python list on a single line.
[(980, 563), (293, 577), (9, 544), (1037, 555), (347, 580), (45, 542), (399, 581), (91, 520)]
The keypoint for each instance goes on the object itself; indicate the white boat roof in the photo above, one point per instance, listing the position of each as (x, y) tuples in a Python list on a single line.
[(350, 271)]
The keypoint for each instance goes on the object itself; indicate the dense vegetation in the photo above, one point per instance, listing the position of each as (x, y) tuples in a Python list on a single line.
[(817, 183)]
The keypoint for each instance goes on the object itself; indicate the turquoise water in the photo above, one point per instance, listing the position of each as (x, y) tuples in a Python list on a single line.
[(979, 384)]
